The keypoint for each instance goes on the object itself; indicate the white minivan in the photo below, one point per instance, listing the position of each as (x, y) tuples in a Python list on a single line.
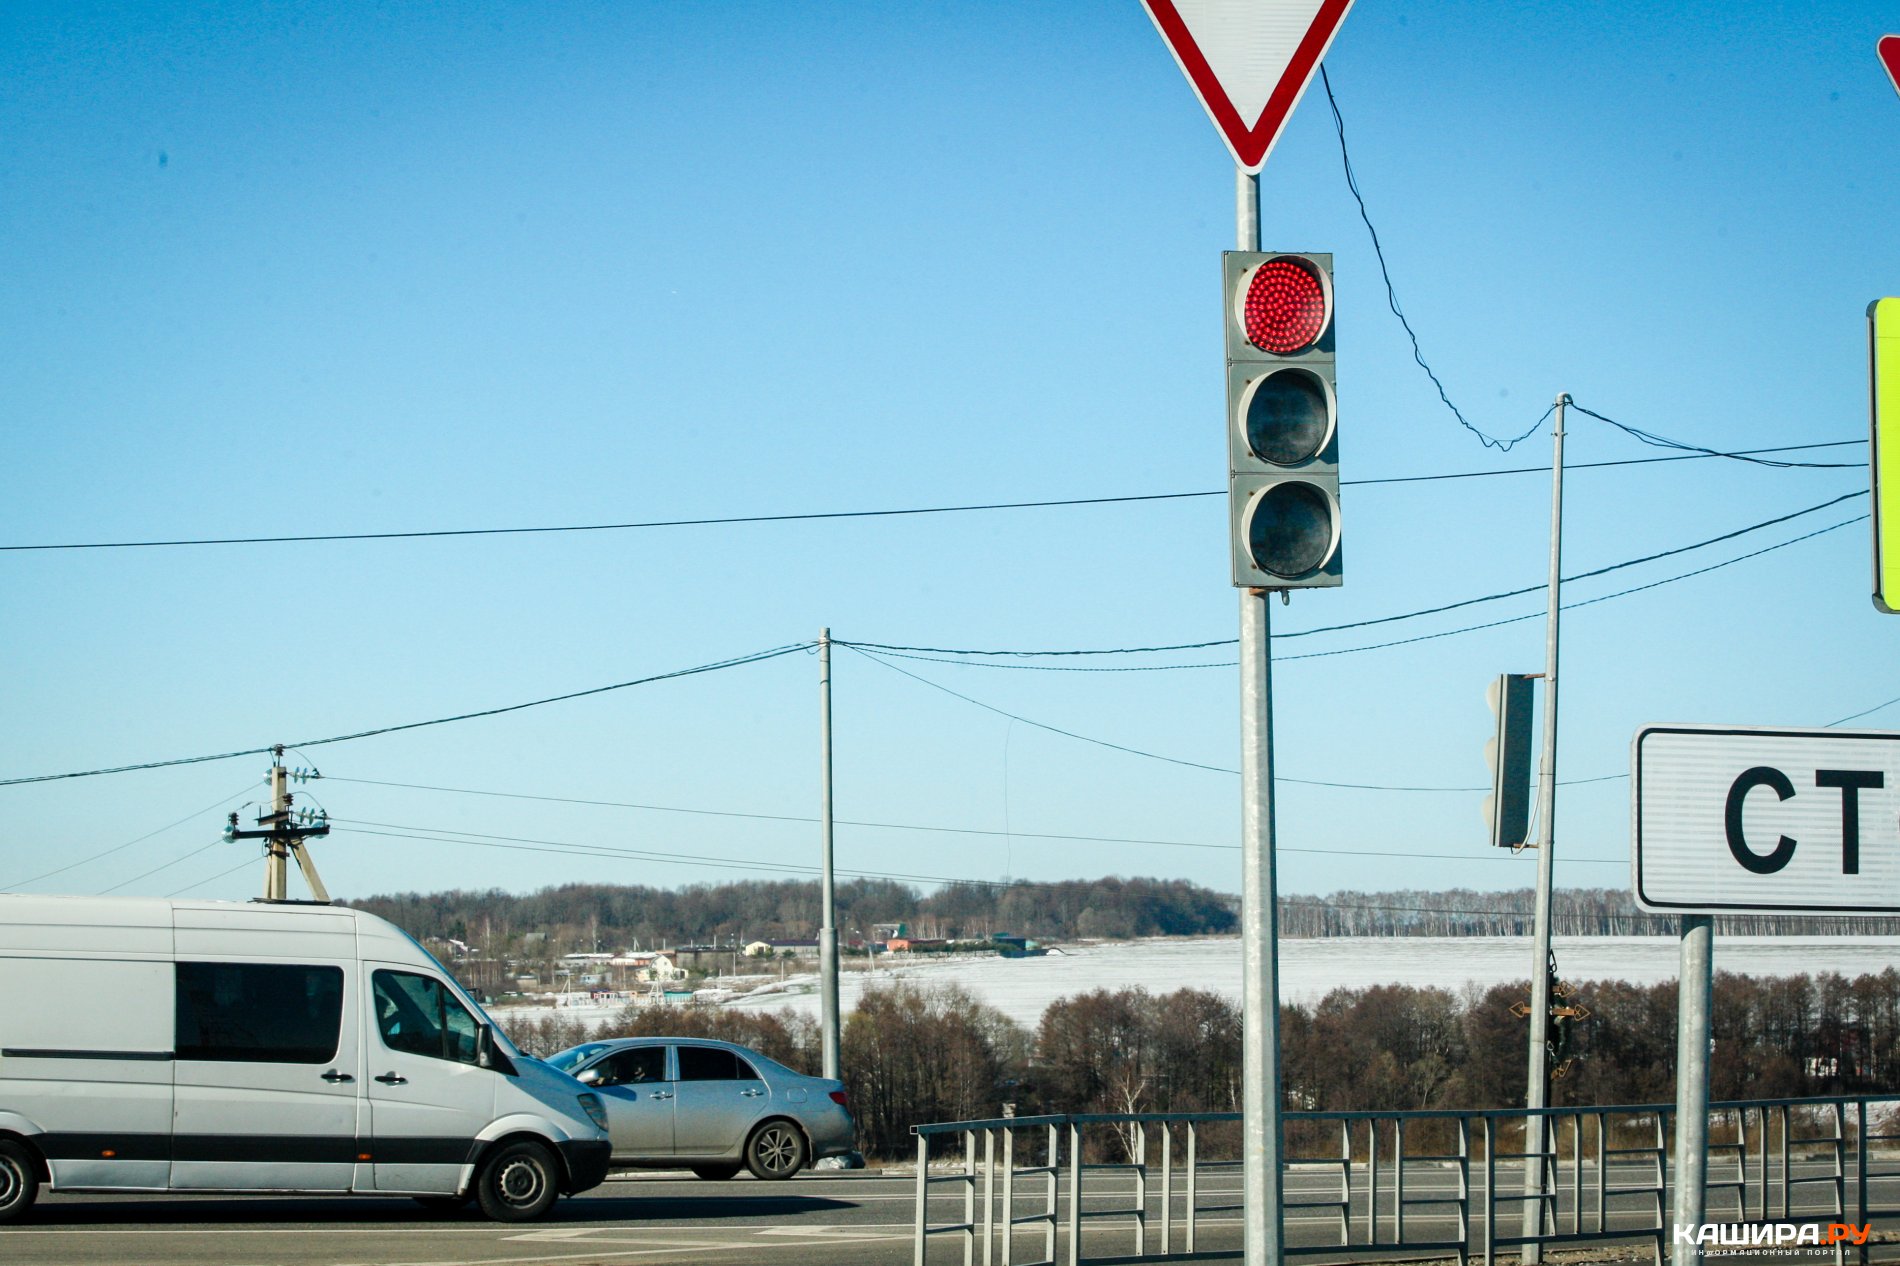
[(202, 1046)]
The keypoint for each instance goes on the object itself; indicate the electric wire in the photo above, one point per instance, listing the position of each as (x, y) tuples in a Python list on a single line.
[(176, 892), (566, 848), (1663, 441), (163, 866), (1568, 606), (1855, 716), (910, 651), (1391, 295), (737, 661), (120, 848), (425, 534)]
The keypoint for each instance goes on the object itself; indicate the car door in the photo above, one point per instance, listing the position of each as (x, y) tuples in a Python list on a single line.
[(264, 1077), (428, 1096), (637, 1090), (721, 1096)]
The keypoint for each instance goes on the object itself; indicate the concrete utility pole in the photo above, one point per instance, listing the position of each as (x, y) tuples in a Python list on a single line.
[(1537, 1178), (1261, 1186), (828, 927), (283, 835)]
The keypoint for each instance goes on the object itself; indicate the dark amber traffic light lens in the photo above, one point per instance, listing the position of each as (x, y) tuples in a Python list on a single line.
[(1289, 417), (1291, 530), (1286, 308)]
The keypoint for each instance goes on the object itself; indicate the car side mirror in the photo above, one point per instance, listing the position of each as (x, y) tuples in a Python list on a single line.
[(588, 1077), (485, 1047)]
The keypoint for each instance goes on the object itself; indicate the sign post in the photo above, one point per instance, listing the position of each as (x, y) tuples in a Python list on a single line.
[(1249, 62), (1753, 820)]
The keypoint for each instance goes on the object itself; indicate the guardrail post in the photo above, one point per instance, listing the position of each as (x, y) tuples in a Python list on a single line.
[(1141, 1189), (1860, 1173), (1053, 1179), (969, 1197), (1075, 1194), (1192, 1175), (1490, 1188), (923, 1179), (1009, 1192), (989, 1198), (1372, 1180), (1167, 1190)]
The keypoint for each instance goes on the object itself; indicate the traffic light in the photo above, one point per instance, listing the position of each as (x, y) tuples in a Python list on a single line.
[(1883, 341), (1282, 420), (1507, 810)]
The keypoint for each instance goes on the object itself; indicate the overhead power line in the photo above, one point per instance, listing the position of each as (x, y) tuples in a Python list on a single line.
[(1663, 441), (895, 649), (816, 516), (564, 848), (756, 657), (18, 884)]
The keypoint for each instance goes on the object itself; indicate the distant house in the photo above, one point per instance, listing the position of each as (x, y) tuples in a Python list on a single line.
[(902, 944), (766, 949)]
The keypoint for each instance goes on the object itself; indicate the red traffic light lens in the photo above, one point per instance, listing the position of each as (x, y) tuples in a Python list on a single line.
[(1287, 306)]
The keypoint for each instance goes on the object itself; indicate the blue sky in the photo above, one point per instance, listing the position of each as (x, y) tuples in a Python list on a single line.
[(304, 268)]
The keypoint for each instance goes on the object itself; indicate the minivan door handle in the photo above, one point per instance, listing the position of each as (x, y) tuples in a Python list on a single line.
[(334, 1076), (750, 1094), (393, 1079), (661, 1094)]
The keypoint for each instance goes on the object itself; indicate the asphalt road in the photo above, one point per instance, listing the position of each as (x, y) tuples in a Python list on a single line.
[(851, 1219)]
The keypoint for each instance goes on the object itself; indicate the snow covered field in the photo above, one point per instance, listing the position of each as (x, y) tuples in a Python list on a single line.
[(1021, 988)]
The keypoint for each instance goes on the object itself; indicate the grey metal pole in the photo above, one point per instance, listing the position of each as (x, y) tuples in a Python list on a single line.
[(1261, 1191), (828, 926), (1537, 1082), (1694, 1001)]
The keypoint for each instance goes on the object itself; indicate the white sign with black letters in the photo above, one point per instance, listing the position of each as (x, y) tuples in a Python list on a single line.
[(1728, 819)]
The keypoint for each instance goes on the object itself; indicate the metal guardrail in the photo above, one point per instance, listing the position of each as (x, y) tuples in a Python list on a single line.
[(1603, 1174)]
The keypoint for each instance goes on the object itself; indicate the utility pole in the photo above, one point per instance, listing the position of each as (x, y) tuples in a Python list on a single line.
[(283, 834), (828, 925), (1537, 1086), (1261, 1183)]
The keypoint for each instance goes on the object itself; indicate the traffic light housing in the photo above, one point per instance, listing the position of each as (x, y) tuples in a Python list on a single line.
[(1507, 810), (1282, 420)]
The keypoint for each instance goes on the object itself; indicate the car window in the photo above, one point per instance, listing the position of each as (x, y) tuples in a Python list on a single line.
[(273, 1013), (633, 1067), (567, 1060), (418, 1015), (712, 1063)]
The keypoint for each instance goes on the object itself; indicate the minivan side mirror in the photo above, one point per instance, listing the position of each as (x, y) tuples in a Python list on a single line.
[(485, 1047), (588, 1076)]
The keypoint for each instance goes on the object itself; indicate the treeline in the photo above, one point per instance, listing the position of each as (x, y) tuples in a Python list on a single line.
[(916, 1055), (588, 916), (583, 916), (1573, 912)]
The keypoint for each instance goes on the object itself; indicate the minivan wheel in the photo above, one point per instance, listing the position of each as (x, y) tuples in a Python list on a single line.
[(518, 1182), (19, 1181), (715, 1173), (775, 1150)]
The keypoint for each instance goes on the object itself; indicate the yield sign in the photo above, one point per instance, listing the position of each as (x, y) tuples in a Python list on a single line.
[(1248, 60), (1889, 48)]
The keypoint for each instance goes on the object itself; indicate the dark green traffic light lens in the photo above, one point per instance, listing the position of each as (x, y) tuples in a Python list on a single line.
[(1291, 529), (1289, 417)]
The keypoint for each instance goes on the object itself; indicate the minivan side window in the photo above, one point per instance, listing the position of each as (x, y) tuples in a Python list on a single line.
[(272, 1013), (712, 1063), (418, 1015)]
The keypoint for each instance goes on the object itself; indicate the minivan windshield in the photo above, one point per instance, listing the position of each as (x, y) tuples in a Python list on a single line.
[(574, 1056)]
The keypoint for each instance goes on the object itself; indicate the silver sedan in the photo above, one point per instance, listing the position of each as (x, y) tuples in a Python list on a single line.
[(711, 1107)]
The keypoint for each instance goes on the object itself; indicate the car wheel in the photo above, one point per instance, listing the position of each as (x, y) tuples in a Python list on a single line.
[(715, 1173), (775, 1150), (518, 1182), (19, 1181), (444, 1204)]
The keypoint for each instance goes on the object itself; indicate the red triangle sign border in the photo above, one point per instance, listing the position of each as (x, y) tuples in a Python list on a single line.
[(1249, 143)]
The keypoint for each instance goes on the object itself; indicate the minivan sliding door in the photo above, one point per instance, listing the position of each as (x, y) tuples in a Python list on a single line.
[(265, 1077)]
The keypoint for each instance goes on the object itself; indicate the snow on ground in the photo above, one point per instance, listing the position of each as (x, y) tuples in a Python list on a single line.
[(1021, 987)]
